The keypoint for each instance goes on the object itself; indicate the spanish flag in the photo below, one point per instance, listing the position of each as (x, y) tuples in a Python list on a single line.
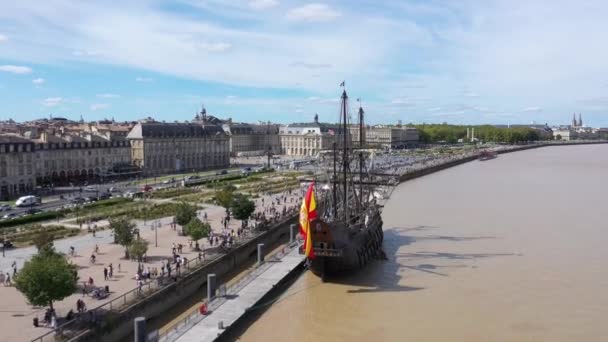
[(308, 213)]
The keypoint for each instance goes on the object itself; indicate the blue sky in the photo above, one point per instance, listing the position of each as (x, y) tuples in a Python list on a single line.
[(468, 61)]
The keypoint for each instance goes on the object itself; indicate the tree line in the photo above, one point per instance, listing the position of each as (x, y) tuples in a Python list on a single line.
[(434, 133)]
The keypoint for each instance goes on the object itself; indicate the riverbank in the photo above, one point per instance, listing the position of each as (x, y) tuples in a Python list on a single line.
[(484, 251)]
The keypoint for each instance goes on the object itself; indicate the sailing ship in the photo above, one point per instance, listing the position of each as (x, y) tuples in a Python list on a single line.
[(346, 230), (487, 155)]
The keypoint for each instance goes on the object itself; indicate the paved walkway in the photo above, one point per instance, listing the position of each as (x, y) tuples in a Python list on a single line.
[(16, 314), (242, 299)]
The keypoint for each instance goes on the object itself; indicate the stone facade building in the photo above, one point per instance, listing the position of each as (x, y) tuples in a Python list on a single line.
[(386, 136), (158, 148), (306, 139), (62, 158), (16, 166)]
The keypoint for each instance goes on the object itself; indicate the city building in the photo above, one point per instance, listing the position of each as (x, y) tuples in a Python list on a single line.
[(16, 166), (386, 136), (160, 148), (61, 158), (245, 139), (306, 139)]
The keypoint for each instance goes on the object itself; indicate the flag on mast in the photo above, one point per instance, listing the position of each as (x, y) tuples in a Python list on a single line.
[(342, 84), (308, 213)]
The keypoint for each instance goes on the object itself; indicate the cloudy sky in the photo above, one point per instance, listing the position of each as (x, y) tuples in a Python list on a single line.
[(466, 61)]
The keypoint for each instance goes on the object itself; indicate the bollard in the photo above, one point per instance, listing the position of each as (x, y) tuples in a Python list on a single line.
[(292, 227), (260, 255), (140, 329), (220, 325), (211, 286)]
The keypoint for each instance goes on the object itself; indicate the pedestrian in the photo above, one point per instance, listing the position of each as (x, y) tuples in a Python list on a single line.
[(91, 283), (105, 273), (84, 288), (7, 282), (118, 267), (111, 270)]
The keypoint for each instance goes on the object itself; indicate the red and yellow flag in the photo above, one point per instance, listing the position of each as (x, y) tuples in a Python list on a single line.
[(308, 213)]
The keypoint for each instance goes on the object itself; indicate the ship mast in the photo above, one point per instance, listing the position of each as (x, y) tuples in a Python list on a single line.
[(361, 144), (345, 154)]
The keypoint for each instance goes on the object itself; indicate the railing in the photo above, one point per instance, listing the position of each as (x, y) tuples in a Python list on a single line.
[(87, 320), (173, 331)]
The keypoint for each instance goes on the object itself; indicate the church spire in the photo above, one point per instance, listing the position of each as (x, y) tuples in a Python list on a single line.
[(580, 120), (574, 120)]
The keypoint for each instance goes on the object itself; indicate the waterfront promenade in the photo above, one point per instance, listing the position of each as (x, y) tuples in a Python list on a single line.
[(240, 298), (16, 315)]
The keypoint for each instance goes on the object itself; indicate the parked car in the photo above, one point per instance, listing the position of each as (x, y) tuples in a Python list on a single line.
[(90, 199), (7, 244), (5, 207), (77, 200), (104, 195), (113, 189), (90, 188), (146, 188), (223, 172), (33, 211), (9, 216)]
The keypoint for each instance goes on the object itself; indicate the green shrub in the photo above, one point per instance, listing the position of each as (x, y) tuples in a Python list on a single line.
[(44, 216)]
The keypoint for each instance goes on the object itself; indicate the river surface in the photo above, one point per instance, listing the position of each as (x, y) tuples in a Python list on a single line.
[(511, 249)]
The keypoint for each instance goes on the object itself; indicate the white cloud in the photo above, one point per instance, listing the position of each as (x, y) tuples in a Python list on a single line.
[(98, 106), (263, 4), (471, 94), (108, 96), (52, 101), (216, 47), (312, 13), (314, 98), (38, 81), (299, 110), (434, 109), (3, 38), (532, 109), (400, 101), (230, 97), (143, 79), (16, 69)]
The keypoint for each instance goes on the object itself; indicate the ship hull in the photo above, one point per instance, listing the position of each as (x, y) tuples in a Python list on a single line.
[(352, 248)]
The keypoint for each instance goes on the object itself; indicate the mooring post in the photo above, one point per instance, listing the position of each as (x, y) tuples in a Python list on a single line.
[(140, 329), (260, 255), (211, 286), (292, 227)]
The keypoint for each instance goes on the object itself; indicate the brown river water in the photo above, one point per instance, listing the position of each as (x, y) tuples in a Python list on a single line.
[(511, 249)]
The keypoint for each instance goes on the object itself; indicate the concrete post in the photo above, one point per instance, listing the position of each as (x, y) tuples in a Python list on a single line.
[(211, 286), (292, 227), (260, 255), (140, 329)]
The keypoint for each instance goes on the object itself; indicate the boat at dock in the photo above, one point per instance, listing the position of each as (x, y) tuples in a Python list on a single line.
[(487, 155), (346, 230)]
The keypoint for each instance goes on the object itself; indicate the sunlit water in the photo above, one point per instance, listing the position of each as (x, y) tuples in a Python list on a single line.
[(511, 249)]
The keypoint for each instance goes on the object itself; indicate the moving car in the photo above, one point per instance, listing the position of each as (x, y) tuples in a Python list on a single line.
[(27, 201), (104, 195), (113, 189), (146, 188), (90, 188), (5, 207)]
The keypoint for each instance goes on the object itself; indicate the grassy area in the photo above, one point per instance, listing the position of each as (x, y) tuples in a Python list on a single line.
[(178, 176), (171, 193), (24, 235), (44, 216)]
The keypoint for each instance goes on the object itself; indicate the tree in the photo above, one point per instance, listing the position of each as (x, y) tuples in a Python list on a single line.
[(123, 233), (47, 277), (43, 240), (225, 196), (197, 230), (242, 208), (558, 137), (184, 214), (138, 248)]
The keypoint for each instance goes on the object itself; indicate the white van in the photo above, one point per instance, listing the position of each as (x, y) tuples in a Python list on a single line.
[(27, 201)]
